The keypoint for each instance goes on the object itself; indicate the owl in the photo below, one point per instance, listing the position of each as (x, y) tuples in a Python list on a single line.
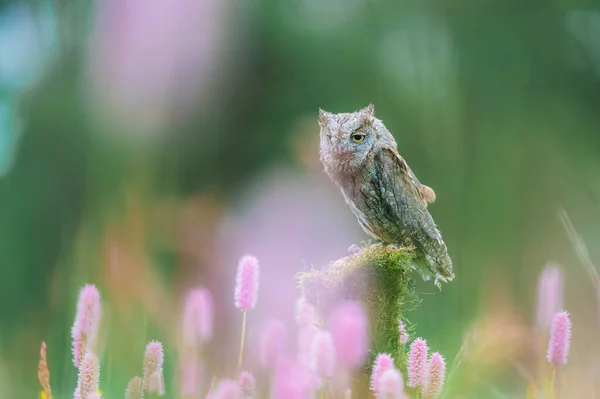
[(360, 155)]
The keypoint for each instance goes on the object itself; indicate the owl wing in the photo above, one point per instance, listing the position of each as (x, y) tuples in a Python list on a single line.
[(425, 193), (404, 197)]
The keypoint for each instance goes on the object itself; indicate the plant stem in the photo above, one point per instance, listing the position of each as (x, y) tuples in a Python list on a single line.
[(242, 343), (552, 393)]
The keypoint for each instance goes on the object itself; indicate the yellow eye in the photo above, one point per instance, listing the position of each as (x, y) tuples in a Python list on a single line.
[(358, 137)]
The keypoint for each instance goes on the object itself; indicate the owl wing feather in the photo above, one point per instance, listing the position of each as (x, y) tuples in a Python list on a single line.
[(426, 193), (404, 198)]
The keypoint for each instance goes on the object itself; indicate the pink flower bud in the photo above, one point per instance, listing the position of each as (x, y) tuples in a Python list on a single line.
[(305, 313), (403, 333), (247, 385), (349, 331), (87, 321), (435, 376), (417, 363), (306, 336), (290, 380), (89, 377), (560, 336), (390, 385), (383, 362), (550, 296), (153, 368), (227, 389), (323, 354), (197, 319), (273, 342), (246, 285), (134, 389)]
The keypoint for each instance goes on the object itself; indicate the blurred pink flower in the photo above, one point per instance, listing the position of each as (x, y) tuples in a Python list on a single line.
[(306, 336), (197, 320), (323, 354), (383, 362), (349, 324), (435, 376), (247, 385), (390, 385), (87, 321), (150, 59), (94, 395), (403, 333), (134, 389), (190, 374), (348, 394), (89, 377), (305, 313), (417, 363), (560, 336), (246, 283), (153, 368), (227, 389), (550, 296), (290, 380), (273, 343)]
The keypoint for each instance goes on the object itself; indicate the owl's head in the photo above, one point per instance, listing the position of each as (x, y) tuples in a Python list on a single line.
[(348, 139)]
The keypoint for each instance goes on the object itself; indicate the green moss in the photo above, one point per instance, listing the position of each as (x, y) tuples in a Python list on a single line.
[(377, 276)]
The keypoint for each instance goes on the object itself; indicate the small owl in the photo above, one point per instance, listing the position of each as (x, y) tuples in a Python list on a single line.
[(359, 154)]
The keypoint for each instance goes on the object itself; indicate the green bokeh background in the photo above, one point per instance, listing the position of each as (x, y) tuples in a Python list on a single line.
[(499, 115)]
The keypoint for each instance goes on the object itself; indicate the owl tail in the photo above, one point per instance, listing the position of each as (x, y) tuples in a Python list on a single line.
[(439, 267)]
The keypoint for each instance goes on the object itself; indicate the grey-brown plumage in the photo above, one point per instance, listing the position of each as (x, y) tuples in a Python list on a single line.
[(360, 155)]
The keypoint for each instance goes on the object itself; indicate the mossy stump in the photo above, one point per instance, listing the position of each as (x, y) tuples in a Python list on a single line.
[(376, 276)]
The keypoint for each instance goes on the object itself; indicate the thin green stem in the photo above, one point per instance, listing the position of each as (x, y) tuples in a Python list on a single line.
[(242, 343), (552, 393)]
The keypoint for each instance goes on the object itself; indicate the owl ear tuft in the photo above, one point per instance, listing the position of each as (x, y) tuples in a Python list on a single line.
[(323, 117), (368, 114)]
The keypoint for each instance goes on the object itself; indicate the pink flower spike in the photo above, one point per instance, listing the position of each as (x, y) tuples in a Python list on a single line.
[(560, 336), (348, 325), (89, 376), (550, 296), (305, 313), (290, 380), (273, 343), (323, 354), (306, 336), (153, 368), (134, 389), (247, 385), (246, 284), (435, 376), (391, 385), (94, 395), (227, 389), (403, 333), (417, 363), (87, 321), (383, 362), (197, 319)]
